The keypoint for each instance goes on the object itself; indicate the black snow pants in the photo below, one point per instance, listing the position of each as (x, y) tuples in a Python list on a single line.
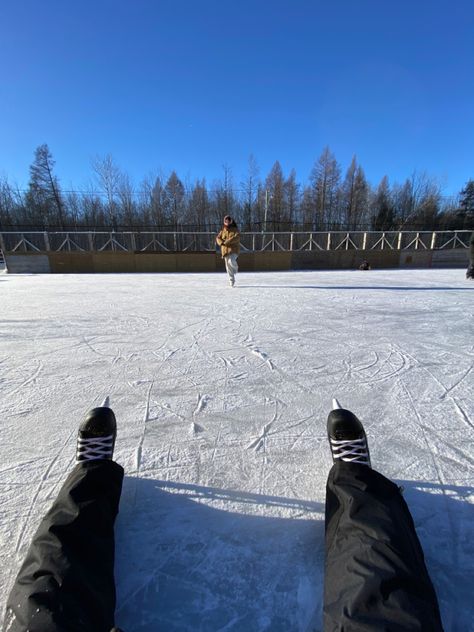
[(471, 252), (66, 583), (375, 577)]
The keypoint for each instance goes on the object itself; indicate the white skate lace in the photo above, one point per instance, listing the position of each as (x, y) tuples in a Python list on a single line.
[(94, 448), (350, 450)]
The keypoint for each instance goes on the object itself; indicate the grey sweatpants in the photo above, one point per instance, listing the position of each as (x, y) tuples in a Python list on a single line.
[(231, 266)]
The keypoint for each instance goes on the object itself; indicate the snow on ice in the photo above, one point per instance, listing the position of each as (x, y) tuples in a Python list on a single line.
[(221, 397)]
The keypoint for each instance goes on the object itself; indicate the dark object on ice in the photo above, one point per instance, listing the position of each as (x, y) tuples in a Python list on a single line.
[(470, 267), (365, 265)]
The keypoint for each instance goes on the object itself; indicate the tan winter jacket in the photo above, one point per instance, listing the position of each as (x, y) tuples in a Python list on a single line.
[(229, 241)]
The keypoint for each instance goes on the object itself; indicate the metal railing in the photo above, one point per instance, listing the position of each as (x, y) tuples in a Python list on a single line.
[(101, 241)]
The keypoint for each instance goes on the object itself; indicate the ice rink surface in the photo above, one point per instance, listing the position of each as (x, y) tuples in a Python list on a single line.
[(221, 397)]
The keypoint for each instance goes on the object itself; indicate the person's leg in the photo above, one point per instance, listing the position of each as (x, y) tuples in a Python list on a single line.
[(470, 268), (227, 268), (66, 582), (231, 267), (375, 573)]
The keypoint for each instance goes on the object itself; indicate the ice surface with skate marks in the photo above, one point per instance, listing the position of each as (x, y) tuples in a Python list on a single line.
[(221, 412)]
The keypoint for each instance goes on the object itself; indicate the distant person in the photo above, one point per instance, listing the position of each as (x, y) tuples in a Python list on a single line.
[(375, 580), (229, 241), (365, 265), (470, 267)]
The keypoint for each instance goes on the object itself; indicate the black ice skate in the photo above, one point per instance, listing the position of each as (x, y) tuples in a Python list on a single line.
[(470, 272), (96, 437), (347, 437)]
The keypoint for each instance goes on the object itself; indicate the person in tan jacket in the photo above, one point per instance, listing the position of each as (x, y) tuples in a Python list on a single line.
[(229, 241)]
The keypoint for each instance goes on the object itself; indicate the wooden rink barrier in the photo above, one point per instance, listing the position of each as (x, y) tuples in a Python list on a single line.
[(65, 252), (143, 262)]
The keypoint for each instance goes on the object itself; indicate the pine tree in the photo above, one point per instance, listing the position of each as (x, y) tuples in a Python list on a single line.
[(43, 198), (382, 207), (354, 196), (466, 201)]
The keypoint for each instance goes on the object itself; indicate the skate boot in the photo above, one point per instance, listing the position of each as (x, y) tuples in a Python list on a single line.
[(470, 272), (347, 438), (96, 436)]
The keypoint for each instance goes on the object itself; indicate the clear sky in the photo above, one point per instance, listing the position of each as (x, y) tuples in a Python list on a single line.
[(192, 85)]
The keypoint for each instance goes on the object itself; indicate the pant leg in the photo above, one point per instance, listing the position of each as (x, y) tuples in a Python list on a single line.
[(471, 255), (66, 582), (375, 574), (231, 266)]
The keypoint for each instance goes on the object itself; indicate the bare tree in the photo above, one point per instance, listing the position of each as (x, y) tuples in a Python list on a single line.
[(174, 200), (228, 193), (11, 207), (354, 196), (307, 209), (292, 197), (199, 206), (417, 201), (250, 188), (223, 200), (108, 176), (275, 188), (126, 196), (93, 210), (74, 207), (325, 180)]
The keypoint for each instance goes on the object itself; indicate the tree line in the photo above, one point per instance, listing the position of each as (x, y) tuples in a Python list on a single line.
[(328, 200)]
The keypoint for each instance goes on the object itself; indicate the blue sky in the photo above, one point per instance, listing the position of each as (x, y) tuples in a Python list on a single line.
[(194, 85)]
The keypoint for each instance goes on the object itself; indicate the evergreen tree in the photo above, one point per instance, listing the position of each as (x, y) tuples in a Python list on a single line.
[(466, 201), (43, 198), (382, 207), (354, 197)]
